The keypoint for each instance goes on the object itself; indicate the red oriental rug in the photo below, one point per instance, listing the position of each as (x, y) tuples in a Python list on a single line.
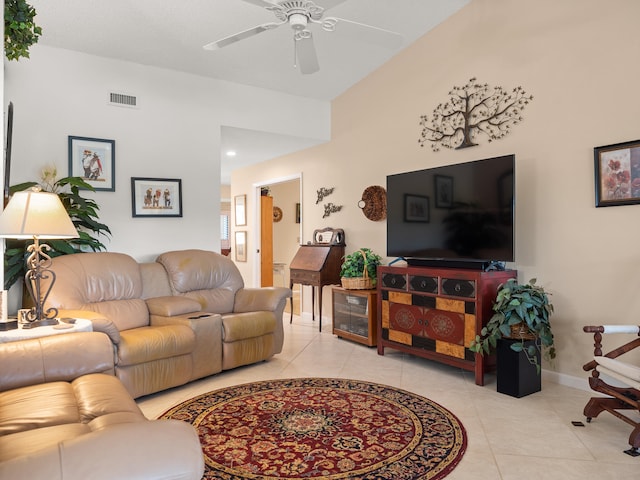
[(327, 428)]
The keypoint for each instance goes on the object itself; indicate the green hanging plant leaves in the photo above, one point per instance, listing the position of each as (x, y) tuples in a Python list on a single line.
[(20, 30), (514, 304)]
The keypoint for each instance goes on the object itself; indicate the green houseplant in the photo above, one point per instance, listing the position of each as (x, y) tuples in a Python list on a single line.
[(359, 269), (83, 213), (522, 313), (20, 30)]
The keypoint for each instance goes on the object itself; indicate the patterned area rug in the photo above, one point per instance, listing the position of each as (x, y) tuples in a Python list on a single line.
[(325, 428)]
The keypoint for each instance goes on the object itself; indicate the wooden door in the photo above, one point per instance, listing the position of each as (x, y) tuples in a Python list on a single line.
[(266, 241)]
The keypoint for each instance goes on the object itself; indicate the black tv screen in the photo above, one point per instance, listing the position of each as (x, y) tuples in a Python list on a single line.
[(455, 212)]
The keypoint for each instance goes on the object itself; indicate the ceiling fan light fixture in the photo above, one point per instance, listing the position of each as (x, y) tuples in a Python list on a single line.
[(298, 21)]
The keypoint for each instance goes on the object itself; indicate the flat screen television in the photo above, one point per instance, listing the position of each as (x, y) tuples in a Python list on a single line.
[(460, 215)]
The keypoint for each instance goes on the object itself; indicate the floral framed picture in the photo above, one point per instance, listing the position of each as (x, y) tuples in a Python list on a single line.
[(416, 208), (93, 160), (617, 174), (156, 197)]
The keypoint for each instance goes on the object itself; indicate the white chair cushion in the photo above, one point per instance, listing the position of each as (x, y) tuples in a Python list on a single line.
[(625, 372)]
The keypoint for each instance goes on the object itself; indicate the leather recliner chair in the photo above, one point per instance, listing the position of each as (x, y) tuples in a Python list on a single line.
[(64, 415)]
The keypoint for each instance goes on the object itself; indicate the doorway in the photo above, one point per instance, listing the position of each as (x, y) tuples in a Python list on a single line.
[(280, 231)]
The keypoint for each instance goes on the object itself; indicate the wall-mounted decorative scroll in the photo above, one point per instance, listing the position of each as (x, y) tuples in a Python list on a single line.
[(324, 192), (473, 109), (330, 208)]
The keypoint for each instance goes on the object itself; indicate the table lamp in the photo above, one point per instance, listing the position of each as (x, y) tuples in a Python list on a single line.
[(34, 214)]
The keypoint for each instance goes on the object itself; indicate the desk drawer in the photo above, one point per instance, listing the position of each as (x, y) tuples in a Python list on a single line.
[(305, 277)]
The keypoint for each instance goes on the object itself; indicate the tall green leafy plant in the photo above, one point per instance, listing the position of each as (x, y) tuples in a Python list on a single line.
[(83, 213), (20, 30)]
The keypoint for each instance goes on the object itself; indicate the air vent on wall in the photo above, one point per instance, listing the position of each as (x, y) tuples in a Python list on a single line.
[(123, 100)]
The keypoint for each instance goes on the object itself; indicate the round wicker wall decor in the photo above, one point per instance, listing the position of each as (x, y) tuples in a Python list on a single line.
[(374, 203)]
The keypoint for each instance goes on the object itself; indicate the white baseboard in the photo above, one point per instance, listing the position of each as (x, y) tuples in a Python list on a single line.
[(580, 383)]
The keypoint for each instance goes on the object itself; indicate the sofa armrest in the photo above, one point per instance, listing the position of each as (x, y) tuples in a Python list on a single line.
[(172, 306), (54, 358), (100, 323), (162, 449), (257, 299)]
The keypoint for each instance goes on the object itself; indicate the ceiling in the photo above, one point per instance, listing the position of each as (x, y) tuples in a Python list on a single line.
[(171, 33)]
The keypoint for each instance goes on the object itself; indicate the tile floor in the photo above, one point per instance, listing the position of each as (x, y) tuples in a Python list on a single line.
[(508, 438)]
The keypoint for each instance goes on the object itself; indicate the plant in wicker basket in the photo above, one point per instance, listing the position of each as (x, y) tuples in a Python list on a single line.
[(359, 270), (522, 313)]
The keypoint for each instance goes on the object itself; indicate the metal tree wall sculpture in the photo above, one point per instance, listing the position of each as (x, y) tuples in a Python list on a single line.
[(473, 109)]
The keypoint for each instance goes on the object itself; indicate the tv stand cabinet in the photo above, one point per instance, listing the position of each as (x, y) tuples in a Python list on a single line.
[(435, 313)]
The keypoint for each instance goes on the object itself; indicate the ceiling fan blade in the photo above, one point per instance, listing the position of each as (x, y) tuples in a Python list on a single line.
[(262, 3), (326, 4), (241, 36), (306, 53), (364, 32)]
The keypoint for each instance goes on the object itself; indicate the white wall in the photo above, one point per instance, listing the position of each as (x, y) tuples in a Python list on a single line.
[(577, 59), (174, 134)]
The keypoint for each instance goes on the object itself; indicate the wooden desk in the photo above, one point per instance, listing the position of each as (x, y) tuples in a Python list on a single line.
[(316, 265)]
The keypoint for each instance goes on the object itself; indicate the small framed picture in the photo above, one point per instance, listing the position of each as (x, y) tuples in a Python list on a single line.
[(416, 208), (444, 191), (156, 197), (93, 160), (617, 174), (240, 204), (241, 246)]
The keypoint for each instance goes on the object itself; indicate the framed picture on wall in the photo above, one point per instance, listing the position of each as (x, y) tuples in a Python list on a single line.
[(93, 160), (156, 197), (241, 246), (240, 209), (617, 174)]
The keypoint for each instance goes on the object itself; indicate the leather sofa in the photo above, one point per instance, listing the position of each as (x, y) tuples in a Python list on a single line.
[(64, 415), (183, 317)]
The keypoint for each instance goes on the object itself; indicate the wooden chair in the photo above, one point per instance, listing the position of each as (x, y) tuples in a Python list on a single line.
[(619, 381)]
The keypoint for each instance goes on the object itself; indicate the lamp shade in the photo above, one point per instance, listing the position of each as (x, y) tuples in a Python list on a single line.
[(32, 213)]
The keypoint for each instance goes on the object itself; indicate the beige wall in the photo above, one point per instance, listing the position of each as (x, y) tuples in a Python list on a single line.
[(579, 60)]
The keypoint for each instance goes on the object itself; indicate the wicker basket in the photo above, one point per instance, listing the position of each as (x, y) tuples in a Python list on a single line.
[(521, 331), (359, 283)]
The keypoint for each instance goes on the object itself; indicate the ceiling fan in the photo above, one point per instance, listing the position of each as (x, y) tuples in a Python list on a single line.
[(300, 14)]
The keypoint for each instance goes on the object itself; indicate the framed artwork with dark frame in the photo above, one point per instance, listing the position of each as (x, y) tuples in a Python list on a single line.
[(93, 160), (617, 174), (416, 208), (241, 246), (240, 210), (156, 197), (444, 191)]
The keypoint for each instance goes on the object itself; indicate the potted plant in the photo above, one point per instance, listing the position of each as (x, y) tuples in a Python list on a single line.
[(359, 270), (83, 213), (522, 314)]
